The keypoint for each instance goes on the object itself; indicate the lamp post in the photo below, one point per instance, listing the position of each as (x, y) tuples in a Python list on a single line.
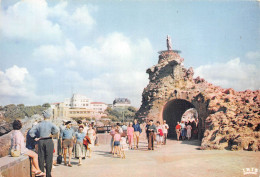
[(123, 116)]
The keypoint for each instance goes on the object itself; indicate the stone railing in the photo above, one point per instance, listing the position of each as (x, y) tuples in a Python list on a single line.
[(15, 166)]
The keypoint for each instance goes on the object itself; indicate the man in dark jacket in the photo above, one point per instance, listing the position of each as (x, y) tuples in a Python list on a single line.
[(151, 130)]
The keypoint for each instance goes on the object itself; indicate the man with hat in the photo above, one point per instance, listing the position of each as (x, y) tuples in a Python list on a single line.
[(61, 127), (42, 133), (67, 136)]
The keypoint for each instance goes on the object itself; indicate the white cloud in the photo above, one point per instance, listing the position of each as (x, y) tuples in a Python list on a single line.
[(115, 50), (50, 72), (15, 81), (77, 22), (253, 55), (108, 86), (234, 73), (113, 67), (18, 86), (28, 20), (36, 21), (82, 16)]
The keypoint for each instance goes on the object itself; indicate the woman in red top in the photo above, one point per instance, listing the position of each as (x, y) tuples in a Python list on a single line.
[(178, 130)]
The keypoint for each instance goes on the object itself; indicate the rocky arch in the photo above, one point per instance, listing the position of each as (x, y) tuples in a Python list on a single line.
[(172, 113), (227, 118)]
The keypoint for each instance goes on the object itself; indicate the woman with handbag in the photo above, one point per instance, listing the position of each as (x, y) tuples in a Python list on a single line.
[(18, 148)]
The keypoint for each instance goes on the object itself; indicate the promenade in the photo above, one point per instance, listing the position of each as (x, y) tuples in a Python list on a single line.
[(177, 158)]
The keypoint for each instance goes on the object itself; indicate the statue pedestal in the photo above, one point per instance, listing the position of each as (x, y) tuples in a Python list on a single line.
[(166, 54)]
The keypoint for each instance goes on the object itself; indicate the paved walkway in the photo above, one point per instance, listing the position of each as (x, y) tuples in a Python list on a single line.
[(177, 158)]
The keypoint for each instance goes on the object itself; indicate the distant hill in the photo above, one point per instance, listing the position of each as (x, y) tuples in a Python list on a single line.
[(11, 112)]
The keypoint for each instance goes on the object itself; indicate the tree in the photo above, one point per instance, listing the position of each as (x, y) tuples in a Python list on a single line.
[(132, 109), (20, 105), (46, 105)]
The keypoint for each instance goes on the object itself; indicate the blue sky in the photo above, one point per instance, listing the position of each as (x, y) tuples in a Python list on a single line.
[(50, 49)]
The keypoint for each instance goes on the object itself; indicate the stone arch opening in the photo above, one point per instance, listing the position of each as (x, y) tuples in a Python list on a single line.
[(173, 112)]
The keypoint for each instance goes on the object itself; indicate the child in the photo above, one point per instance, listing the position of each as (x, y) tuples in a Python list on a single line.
[(86, 142), (123, 146), (117, 138), (130, 134), (159, 134)]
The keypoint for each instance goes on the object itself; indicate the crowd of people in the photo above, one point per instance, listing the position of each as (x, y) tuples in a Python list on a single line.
[(79, 141), (184, 130), (39, 145), (127, 138)]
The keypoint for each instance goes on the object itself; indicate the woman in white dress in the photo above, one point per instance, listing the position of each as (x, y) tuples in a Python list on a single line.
[(188, 131), (91, 134)]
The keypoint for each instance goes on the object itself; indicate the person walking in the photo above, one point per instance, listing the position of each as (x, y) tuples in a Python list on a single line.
[(59, 145), (159, 134), (178, 130), (123, 145), (119, 128), (124, 128), (112, 133), (189, 128), (183, 130), (117, 138), (67, 142), (147, 132), (151, 130), (165, 127), (42, 133), (130, 134), (91, 134), (80, 148), (137, 131)]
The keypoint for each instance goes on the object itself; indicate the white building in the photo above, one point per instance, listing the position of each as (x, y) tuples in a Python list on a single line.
[(99, 106), (79, 106), (78, 101)]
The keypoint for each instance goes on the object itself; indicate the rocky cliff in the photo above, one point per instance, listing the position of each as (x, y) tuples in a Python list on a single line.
[(227, 118)]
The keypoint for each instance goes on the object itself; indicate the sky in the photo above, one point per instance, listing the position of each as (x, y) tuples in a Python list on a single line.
[(52, 49)]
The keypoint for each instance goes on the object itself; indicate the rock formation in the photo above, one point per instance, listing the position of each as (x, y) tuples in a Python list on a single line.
[(227, 118)]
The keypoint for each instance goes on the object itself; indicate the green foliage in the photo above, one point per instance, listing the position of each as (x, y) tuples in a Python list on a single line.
[(132, 109), (118, 114), (20, 111), (46, 105)]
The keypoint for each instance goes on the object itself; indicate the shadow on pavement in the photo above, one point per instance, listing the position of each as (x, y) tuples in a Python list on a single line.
[(104, 153)]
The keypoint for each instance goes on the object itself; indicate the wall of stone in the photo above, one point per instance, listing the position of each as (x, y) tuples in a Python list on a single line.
[(227, 119), (15, 166)]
